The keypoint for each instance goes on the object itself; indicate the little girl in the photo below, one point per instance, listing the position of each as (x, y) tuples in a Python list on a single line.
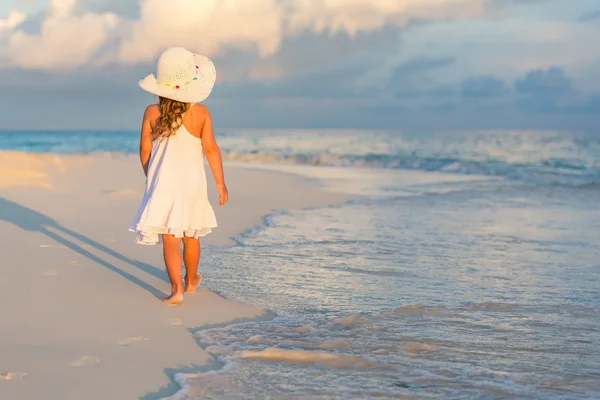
[(174, 134)]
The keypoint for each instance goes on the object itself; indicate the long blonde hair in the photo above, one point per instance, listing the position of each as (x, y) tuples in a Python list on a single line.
[(171, 117)]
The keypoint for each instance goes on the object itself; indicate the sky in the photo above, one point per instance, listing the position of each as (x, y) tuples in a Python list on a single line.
[(367, 64)]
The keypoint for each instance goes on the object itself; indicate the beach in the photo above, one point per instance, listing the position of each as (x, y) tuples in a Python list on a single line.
[(347, 264), (82, 316)]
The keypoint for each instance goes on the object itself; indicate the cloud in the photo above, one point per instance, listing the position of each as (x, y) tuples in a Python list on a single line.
[(345, 81), (421, 64), (409, 88), (552, 91), (65, 41), (71, 37), (313, 52), (14, 19), (262, 25), (127, 9), (409, 79), (544, 83), (537, 92), (353, 16), (590, 16), (592, 105), (206, 27), (315, 100), (483, 87), (335, 83), (306, 63)]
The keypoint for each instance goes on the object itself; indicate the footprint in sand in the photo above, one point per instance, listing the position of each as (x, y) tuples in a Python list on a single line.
[(51, 272), (175, 321), (131, 340), (9, 376), (85, 361)]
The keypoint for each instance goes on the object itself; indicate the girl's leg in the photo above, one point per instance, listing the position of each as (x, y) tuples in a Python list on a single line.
[(191, 257), (172, 255)]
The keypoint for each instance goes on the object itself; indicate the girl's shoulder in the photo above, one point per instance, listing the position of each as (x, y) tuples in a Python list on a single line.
[(152, 112), (200, 109)]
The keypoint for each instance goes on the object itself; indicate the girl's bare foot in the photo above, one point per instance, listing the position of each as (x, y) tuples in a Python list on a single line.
[(193, 284), (174, 299)]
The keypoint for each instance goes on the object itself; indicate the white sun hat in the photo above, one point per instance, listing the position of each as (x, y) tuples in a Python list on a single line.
[(182, 76)]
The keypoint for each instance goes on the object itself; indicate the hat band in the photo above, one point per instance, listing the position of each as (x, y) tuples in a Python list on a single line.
[(178, 86)]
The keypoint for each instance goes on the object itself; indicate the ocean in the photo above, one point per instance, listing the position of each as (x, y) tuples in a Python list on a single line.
[(468, 268)]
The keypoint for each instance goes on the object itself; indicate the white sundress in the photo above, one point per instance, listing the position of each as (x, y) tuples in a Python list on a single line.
[(176, 197)]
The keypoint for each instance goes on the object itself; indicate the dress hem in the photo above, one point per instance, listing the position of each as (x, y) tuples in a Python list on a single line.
[(151, 235)]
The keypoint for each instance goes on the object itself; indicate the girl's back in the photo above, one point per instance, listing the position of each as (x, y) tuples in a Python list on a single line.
[(176, 197), (175, 136)]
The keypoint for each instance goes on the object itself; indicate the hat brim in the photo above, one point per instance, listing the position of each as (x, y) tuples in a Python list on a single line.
[(194, 92)]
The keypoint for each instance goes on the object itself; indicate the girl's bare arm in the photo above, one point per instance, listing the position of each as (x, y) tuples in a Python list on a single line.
[(213, 155), (146, 138)]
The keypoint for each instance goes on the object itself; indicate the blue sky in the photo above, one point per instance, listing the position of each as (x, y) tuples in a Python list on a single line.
[(409, 64)]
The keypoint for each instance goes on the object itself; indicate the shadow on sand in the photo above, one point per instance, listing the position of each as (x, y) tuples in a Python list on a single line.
[(33, 221)]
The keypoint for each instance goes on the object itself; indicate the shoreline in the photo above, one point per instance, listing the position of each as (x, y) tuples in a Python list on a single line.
[(63, 217)]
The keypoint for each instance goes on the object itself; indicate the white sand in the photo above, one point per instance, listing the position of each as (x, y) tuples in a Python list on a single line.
[(80, 315)]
